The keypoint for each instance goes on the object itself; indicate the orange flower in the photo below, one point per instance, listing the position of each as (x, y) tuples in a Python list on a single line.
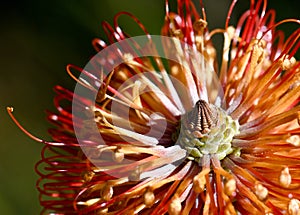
[(180, 136)]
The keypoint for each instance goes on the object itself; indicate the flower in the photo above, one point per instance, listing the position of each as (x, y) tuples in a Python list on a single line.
[(185, 139)]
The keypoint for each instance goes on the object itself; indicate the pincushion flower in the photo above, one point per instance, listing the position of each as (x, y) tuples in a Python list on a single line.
[(182, 135)]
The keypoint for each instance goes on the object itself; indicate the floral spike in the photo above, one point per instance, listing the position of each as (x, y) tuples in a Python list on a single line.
[(180, 148)]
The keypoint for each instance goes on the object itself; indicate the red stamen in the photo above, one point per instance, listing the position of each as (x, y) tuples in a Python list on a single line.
[(9, 111), (229, 13)]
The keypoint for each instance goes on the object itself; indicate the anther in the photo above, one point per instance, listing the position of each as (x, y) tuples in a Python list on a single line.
[(199, 183), (294, 207), (149, 198), (175, 206), (199, 180), (294, 140), (89, 202), (261, 192), (118, 156), (230, 187), (288, 63), (135, 175), (285, 178), (87, 176), (200, 25), (106, 192)]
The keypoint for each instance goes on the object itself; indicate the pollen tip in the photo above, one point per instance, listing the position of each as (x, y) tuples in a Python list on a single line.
[(149, 198), (294, 140), (118, 156), (285, 178), (288, 63), (294, 207), (199, 182), (107, 192), (175, 206), (200, 25), (87, 176), (261, 192), (230, 187), (230, 31), (10, 109), (135, 175), (89, 202)]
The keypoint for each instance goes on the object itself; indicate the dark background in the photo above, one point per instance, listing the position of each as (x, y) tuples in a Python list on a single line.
[(37, 40)]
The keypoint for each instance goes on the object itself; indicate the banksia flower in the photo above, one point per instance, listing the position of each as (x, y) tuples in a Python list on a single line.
[(160, 128)]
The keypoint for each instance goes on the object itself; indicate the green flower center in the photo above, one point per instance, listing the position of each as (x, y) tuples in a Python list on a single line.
[(207, 129)]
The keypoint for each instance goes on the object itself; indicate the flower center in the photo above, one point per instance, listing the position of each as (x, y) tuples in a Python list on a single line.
[(207, 129)]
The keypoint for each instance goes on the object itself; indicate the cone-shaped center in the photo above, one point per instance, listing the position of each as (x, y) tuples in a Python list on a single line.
[(208, 129), (200, 119)]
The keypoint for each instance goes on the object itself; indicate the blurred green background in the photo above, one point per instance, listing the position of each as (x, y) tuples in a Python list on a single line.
[(37, 40)]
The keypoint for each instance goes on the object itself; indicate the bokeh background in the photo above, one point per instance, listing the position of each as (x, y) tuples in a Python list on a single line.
[(37, 40)]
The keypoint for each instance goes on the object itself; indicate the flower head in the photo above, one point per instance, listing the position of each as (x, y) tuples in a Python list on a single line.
[(179, 135)]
